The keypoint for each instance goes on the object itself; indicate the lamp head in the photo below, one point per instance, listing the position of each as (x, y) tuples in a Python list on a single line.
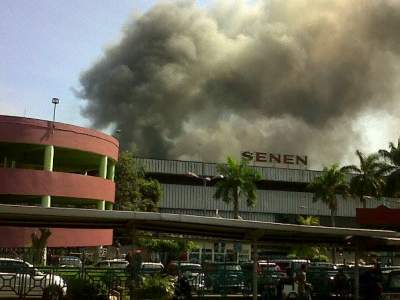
[(55, 100)]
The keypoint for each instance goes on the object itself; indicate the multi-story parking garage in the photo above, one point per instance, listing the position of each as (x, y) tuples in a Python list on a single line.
[(56, 165)]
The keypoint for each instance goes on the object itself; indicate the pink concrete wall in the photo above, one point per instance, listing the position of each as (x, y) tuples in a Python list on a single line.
[(13, 237), (33, 131), (35, 182)]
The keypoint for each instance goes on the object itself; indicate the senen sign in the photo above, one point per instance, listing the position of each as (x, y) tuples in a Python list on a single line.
[(274, 158)]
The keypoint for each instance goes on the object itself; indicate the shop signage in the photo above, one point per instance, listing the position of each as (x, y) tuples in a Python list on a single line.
[(276, 158)]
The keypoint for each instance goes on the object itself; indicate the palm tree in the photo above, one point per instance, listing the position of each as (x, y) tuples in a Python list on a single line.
[(393, 158), (307, 251), (369, 178), (326, 187), (238, 180), (309, 220)]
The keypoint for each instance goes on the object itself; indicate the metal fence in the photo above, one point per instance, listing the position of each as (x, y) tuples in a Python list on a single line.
[(53, 283)]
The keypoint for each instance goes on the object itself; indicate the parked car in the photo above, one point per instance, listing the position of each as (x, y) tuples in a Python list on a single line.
[(151, 268), (112, 263), (193, 272), (322, 279), (290, 266), (69, 262), (19, 279), (224, 278), (269, 277), (391, 287)]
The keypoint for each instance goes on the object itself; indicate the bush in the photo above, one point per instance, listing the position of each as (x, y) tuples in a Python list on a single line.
[(84, 289), (157, 287)]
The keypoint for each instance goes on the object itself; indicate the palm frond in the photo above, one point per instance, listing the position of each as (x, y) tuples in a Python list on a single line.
[(351, 169)]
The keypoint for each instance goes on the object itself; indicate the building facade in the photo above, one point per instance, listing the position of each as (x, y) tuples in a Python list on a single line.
[(56, 165), (282, 194)]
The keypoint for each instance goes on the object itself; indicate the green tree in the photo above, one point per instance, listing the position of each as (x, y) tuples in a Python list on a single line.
[(368, 179), (309, 220), (326, 187), (133, 190), (169, 249), (392, 156), (314, 253), (238, 180)]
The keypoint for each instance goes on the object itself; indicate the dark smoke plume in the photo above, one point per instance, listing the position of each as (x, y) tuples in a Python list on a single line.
[(287, 76)]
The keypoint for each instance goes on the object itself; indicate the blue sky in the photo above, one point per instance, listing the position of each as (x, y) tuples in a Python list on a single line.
[(46, 44)]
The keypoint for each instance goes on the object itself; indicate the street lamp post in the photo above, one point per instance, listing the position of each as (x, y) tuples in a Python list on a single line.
[(55, 101), (204, 179)]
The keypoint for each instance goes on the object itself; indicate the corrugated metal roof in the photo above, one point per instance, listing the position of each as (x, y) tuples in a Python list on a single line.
[(189, 197), (178, 167)]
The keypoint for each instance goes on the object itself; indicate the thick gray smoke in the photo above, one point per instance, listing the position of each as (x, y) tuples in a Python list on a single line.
[(289, 76)]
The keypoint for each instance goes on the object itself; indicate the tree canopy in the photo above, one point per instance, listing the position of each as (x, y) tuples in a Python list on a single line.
[(239, 180), (133, 190), (308, 220), (313, 253), (392, 156), (326, 187), (368, 179)]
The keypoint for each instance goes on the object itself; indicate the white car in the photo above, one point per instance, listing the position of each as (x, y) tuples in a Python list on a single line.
[(151, 268), (112, 263), (19, 279)]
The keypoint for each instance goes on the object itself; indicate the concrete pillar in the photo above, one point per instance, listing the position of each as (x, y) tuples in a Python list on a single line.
[(111, 170), (48, 158), (101, 205), (103, 167), (255, 267), (45, 256), (48, 166), (356, 273), (46, 201), (13, 164), (5, 162)]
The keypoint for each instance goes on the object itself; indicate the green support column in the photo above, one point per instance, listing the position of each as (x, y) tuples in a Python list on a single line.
[(48, 158), (101, 205), (48, 166), (103, 167), (255, 267), (110, 176), (111, 170), (46, 201)]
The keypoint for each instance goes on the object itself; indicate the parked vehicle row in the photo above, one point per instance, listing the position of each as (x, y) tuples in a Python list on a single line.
[(19, 279), (276, 279)]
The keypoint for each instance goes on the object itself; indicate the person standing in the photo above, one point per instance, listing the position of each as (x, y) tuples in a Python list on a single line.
[(375, 282), (302, 285)]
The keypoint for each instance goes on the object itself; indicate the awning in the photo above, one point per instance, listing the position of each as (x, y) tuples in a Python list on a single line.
[(380, 216), (30, 216)]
